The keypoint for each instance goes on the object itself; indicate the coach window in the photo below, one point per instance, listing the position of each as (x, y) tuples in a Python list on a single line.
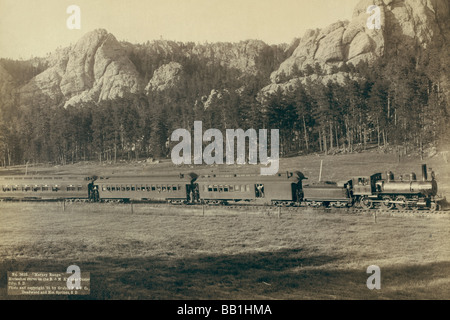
[(26, 188), (133, 188), (174, 188), (103, 187), (164, 188), (6, 188), (220, 188), (36, 188), (237, 188), (158, 188), (113, 188), (127, 187), (243, 188), (45, 188), (215, 189), (225, 189), (55, 188), (15, 188), (231, 188)]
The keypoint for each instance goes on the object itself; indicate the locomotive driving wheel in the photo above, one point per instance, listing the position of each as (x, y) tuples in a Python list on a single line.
[(386, 203), (365, 203), (434, 207), (403, 204)]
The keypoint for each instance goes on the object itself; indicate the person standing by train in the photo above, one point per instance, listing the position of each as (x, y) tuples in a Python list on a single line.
[(90, 189)]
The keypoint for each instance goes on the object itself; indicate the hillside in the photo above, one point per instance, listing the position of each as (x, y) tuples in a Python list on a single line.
[(337, 89)]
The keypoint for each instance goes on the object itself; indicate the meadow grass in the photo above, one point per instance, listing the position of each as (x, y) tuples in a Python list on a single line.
[(160, 252)]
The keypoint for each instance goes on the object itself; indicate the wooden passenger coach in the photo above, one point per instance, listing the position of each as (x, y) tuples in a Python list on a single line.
[(43, 187), (278, 189), (174, 189)]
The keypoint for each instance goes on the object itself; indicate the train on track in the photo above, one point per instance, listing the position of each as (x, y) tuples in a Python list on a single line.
[(283, 189)]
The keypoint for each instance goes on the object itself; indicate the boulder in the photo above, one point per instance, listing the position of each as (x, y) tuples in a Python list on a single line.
[(168, 76)]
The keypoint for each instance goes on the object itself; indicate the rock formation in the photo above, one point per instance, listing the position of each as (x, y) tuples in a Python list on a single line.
[(166, 77), (404, 23), (98, 67), (242, 55), (95, 68)]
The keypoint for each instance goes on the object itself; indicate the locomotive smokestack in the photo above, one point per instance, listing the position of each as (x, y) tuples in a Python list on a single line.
[(424, 172)]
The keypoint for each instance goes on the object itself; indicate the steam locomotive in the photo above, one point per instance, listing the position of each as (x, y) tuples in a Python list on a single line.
[(403, 193), (283, 189)]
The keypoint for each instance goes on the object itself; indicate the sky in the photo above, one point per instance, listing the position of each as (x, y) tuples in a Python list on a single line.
[(34, 28)]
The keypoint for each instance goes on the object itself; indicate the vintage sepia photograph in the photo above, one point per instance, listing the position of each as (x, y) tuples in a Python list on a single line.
[(224, 155)]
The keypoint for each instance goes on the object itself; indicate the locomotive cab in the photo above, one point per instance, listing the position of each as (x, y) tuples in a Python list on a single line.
[(366, 186)]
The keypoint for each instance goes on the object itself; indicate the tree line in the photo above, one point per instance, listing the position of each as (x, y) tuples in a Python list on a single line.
[(394, 102)]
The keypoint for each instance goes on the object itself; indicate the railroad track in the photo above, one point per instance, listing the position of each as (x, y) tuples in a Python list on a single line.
[(242, 207), (299, 210)]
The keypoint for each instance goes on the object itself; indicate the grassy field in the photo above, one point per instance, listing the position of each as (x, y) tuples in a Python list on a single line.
[(157, 252), (175, 253)]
